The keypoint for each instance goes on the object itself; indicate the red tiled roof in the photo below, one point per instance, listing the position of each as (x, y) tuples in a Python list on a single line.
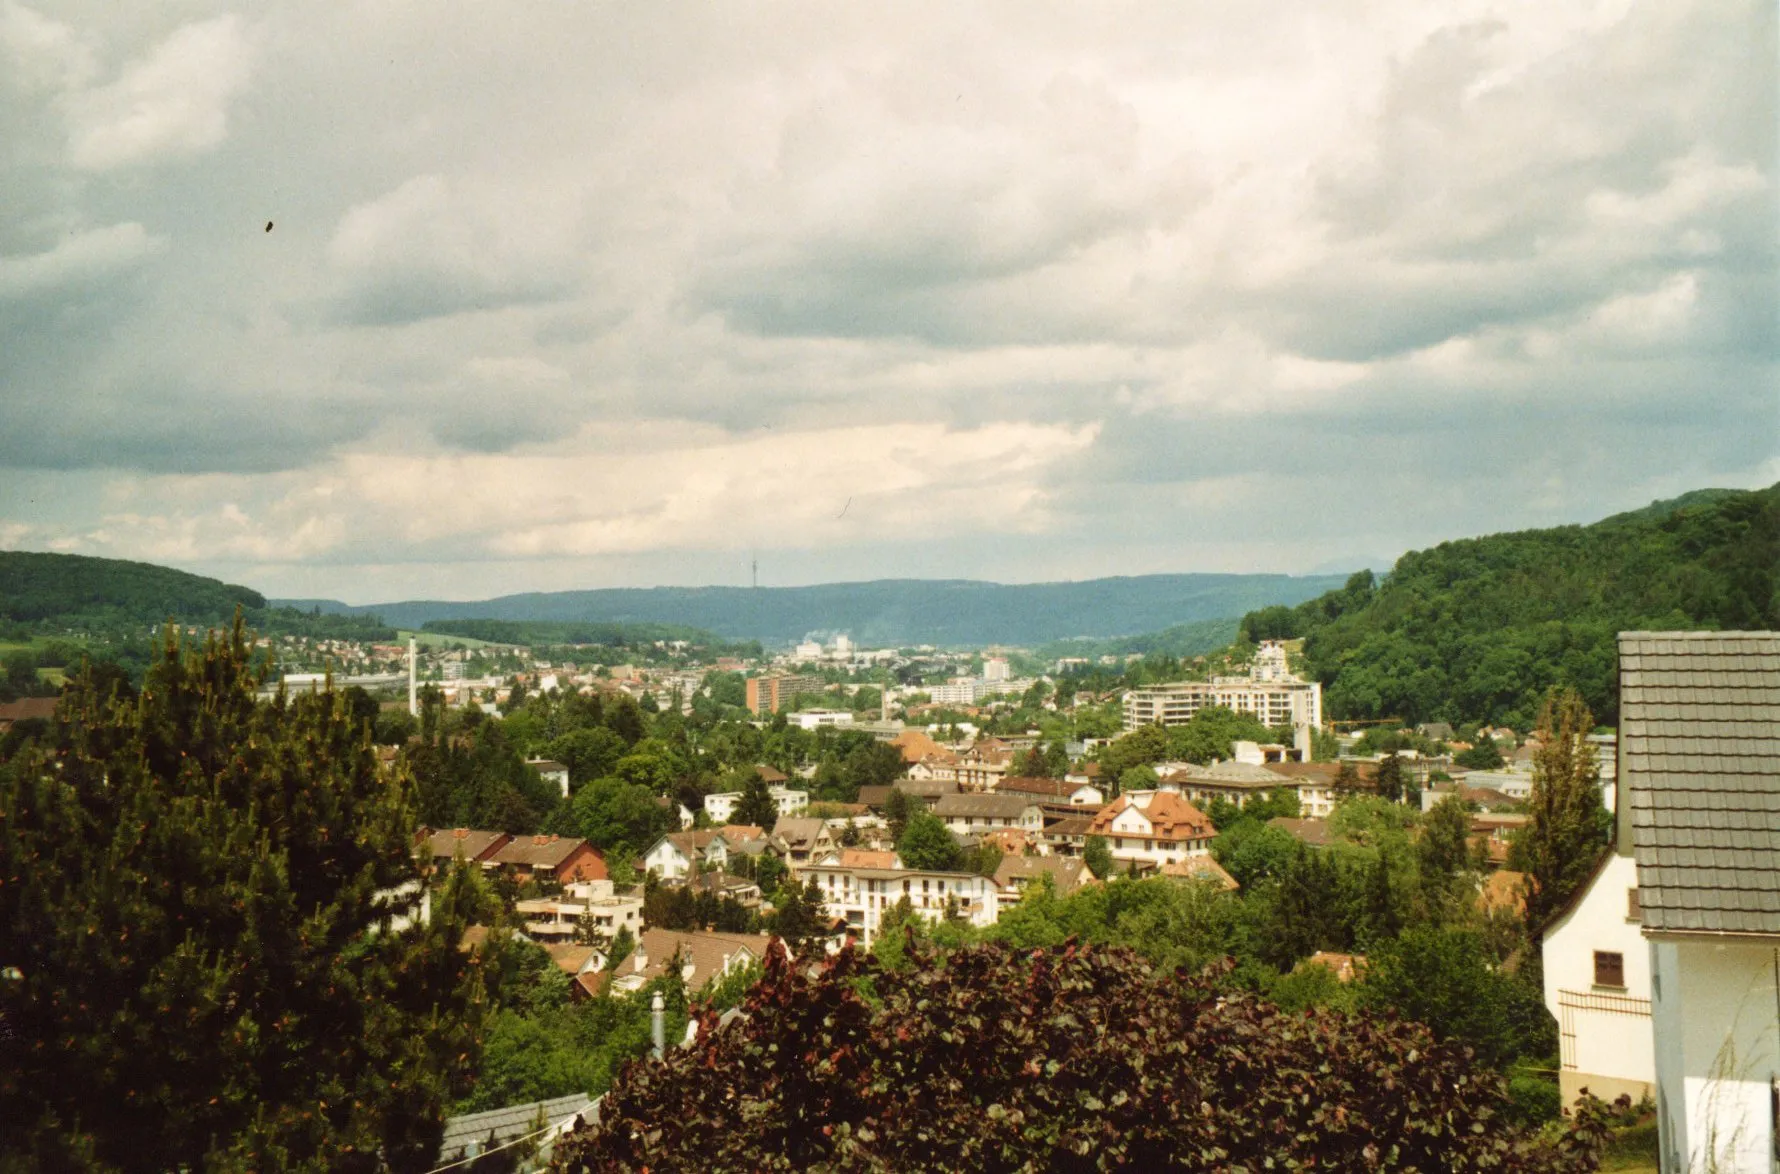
[(28, 707), (1170, 817)]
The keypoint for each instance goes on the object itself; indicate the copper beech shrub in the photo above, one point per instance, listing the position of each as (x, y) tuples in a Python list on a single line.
[(1078, 1058)]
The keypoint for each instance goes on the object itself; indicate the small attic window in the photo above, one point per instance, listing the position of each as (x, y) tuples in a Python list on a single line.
[(1634, 909), (1609, 969)]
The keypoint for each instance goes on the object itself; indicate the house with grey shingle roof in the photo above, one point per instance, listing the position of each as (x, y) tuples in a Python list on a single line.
[(1699, 775), (540, 1123)]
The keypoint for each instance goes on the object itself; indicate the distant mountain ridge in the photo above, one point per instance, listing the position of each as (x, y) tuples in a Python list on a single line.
[(888, 611)]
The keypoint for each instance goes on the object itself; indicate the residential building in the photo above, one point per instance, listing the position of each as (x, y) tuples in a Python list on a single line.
[(1312, 833), (741, 890), (470, 844), (561, 858), (928, 791), (970, 814), (721, 807), (608, 909), (1233, 782), (1699, 768), (995, 668), (1158, 827), (859, 897), (1066, 837), (985, 764), (548, 920), (771, 694), (801, 839), (1269, 692), (1315, 784), (1054, 795), (1597, 987), (678, 855), (1016, 873), (26, 709), (703, 957), (1200, 868), (815, 719), (551, 772), (548, 1122)]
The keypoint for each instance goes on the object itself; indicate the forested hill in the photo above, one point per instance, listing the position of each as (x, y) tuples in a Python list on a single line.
[(54, 593), (895, 611), (36, 588), (1480, 628)]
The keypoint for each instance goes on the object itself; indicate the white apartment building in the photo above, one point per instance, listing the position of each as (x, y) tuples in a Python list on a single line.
[(1269, 692), (814, 719), (962, 691), (860, 896), (995, 668), (720, 807)]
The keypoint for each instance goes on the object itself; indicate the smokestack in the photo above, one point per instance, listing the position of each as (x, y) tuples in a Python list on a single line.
[(413, 687)]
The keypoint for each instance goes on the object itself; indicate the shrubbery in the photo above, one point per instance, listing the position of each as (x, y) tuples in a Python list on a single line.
[(1073, 1058)]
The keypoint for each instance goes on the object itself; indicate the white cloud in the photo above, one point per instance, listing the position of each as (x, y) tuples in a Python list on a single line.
[(606, 491), (80, 258), (589, 278), (42, 54), (172, 102)]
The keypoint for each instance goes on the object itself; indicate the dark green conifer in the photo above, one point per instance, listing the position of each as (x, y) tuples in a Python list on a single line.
[(197, 890)]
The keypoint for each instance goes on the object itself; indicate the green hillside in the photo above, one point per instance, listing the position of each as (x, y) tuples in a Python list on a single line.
[(1480, 628), (55, 594)]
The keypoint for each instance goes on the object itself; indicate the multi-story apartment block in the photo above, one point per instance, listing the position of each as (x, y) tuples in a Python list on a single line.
[(1271, 693), (771, 694), (860, 896)]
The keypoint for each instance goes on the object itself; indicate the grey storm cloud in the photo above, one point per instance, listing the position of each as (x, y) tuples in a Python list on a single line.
[(552, 293)]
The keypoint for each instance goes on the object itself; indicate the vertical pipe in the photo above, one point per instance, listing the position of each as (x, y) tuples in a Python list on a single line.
[(658, 1025)]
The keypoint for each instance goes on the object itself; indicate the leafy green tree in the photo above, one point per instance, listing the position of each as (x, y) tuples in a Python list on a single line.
[(1252, 851), (1445, 979), (1568, 828), (927, 843), (1097, 856), (196, 888), (1138, 778), (1212, 732), (1485, 755), (614, 815), (1443, 854), (590, 752)]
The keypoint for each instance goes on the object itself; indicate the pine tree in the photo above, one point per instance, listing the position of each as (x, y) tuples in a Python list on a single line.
[(1389, 778), (756, 806), (197, 889), (799, 917), (1569, 827), (1098, 857), (896, 811)]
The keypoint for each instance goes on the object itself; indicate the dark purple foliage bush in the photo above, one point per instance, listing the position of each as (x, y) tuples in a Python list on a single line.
[(1079, 1058)]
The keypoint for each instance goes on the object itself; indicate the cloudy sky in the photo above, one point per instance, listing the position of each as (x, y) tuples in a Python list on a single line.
[(577, 293)]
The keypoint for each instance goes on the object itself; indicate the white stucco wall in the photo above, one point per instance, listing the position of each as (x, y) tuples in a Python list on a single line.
[(1606, 1037), (1717, 1018)]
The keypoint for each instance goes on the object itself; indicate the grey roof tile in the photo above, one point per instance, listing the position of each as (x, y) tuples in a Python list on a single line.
[(1699, 747)]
